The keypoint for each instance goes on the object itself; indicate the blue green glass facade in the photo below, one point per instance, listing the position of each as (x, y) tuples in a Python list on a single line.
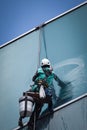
[(64, 41), (69, 117)]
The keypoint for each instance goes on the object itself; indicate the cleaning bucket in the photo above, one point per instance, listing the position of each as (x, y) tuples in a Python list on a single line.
[(26, 106)]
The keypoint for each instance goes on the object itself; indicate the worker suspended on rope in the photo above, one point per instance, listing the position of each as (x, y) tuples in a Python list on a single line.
[(45, 75)]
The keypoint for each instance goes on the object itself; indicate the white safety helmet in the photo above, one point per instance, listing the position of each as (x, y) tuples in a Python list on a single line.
[(45, 62)]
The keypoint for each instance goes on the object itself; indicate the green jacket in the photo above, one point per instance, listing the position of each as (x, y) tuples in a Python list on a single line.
[(46, 74)]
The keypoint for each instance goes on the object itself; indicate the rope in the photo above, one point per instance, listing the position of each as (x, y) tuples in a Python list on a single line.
[(44, 41), (41, 35), (39, 49), (34, 127)]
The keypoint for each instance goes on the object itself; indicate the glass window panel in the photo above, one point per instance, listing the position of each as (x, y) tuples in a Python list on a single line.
[(18, 63)]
